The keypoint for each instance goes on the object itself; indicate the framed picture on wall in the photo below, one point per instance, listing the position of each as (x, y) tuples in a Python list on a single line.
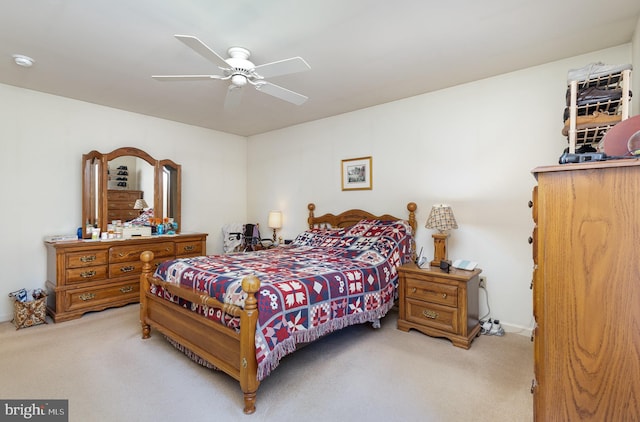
[(356, 174)]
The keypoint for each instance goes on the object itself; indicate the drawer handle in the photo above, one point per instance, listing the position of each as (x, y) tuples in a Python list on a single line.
[(444, 295), (530, 240), (430, 314), (533, 386), (122, 254), (188, 248), (88, 258), (127, 269), (168, 249), (87, 296), (126, 289), (87, 274), (530, 204)]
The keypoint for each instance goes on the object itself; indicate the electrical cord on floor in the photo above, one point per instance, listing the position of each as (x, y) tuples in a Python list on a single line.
[(486, 295), (490, 327)]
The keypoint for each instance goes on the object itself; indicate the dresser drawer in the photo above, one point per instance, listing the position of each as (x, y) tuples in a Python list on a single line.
[(83, 275), (432, 315), (121, 205), (122, 269), (431, 291), (132, 253), (193, 248), (124, 195), (86, 259), (127, 291)]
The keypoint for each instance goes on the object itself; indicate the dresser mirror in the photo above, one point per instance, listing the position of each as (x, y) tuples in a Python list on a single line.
[(112, 183)]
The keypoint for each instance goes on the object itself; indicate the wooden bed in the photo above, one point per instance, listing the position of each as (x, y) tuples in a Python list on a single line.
[(228, 350)]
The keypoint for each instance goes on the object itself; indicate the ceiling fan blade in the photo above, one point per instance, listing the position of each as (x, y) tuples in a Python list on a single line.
[(282, 67), (201, 48), (234, 95), (184, 77), (282, 93)]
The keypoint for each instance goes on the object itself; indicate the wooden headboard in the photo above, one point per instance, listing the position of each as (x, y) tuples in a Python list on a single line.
[(351, 217)]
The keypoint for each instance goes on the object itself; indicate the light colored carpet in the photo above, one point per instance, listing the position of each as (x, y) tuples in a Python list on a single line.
[(108, 373)]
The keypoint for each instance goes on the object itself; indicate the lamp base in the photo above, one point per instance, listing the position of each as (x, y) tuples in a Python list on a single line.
[(439, 248)]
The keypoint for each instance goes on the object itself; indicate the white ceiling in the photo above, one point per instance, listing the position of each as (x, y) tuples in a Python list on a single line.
[(361, 52)]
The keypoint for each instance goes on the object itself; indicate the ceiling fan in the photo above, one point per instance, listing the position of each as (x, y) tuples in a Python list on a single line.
[(240, 71)]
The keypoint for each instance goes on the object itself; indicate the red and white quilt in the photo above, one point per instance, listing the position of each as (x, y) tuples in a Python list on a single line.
[(325, 280)]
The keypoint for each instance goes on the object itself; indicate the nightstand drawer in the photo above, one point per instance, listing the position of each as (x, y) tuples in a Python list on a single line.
[(430, 291), (432, 315)]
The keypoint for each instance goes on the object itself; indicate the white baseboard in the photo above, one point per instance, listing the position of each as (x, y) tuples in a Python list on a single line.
[(517, 329)]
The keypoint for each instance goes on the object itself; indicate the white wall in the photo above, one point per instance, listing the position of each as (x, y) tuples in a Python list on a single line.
[(42, 140), (472, 146), (635, 81)]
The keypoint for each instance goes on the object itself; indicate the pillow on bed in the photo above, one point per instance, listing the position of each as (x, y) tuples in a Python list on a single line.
[(319, 237), (369, 228), (380, 236)]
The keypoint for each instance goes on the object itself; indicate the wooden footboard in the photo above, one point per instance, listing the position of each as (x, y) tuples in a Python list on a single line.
[(231, 352)]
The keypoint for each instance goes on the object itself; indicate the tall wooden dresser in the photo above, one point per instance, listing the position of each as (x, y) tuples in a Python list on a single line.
[(120, 204), (586, 291), (85, 276)]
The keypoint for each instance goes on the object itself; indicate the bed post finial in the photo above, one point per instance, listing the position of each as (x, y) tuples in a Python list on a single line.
[(311, 208), (146, 257), (412, 207)]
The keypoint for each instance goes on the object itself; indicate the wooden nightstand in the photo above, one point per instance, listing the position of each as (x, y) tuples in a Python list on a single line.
[(440, 304)]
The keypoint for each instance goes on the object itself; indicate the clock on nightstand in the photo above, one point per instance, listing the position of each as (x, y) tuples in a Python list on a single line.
[(440, 304)]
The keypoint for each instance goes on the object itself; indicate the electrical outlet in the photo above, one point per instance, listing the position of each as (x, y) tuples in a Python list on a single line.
[(483, 281)]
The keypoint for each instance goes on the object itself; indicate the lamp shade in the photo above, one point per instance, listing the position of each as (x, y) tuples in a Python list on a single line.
[(441, 218), (275, 219), (140, 204)]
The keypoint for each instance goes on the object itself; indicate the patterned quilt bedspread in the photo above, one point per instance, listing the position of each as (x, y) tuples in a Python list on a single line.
[(325, 280)]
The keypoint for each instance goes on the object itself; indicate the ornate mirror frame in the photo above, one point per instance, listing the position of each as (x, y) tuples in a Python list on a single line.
[(167, 186)]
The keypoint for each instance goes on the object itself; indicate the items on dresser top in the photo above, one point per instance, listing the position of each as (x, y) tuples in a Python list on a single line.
[(85, 275), (622, 138), (597, 99)]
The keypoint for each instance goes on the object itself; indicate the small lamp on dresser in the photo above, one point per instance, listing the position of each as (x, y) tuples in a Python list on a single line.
[(140, 205), (275, 222), (440, 218)]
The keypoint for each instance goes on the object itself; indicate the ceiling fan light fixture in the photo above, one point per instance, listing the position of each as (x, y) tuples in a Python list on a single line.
[(22, 60), (239, 80)]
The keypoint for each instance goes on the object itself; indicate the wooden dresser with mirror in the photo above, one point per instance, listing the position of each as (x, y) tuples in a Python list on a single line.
[(92, 275)]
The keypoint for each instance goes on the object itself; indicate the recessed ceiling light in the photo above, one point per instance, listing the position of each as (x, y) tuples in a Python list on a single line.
[(23, 61)]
